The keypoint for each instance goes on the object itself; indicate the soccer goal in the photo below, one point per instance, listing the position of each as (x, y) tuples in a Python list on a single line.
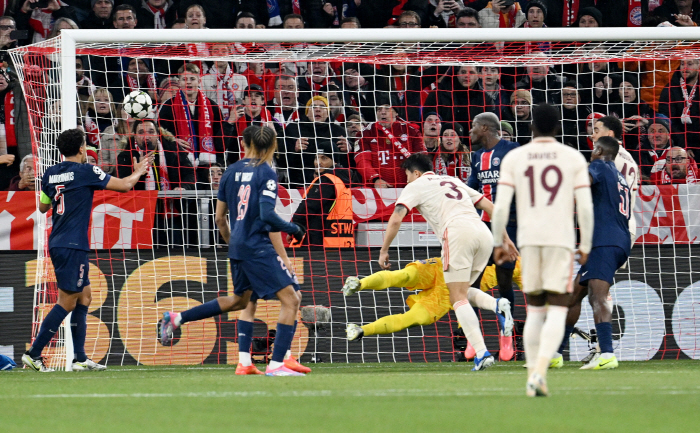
[(158, 250)]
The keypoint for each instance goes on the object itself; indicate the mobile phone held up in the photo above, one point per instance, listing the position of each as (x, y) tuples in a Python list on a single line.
[(40, 4)]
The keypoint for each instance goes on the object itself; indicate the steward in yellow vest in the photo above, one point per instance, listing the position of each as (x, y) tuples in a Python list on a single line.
[(326, 211)]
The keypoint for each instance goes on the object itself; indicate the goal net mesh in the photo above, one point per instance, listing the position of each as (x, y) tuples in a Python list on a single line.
[(157, 249)]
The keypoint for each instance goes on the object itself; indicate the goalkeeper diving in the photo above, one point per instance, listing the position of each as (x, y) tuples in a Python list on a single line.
[(432, 301)]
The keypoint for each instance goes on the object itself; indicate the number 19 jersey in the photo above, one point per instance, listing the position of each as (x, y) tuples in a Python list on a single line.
[(441, 199), (545, 174), (242, 187)]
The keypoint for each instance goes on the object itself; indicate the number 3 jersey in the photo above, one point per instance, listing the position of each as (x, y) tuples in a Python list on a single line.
[(242, 187), (68, 187), (611, 206), (544, 174), (442, 199)]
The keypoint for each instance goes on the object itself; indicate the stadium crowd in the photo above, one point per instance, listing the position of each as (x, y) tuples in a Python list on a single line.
[(356, 120)]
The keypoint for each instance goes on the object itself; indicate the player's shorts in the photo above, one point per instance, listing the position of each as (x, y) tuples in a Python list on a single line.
[(265, 276), (435, 300), (546, 269), (602, 264), (465, 251), (71, 268)]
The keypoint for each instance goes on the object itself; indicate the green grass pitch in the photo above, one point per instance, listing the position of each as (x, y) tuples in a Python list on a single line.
[(654, 396)]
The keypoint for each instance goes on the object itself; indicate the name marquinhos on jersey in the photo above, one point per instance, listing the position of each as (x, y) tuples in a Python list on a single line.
[(243, 177), (61, 178)]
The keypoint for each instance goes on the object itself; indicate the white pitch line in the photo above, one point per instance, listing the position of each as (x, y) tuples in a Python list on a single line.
[(361, 393)]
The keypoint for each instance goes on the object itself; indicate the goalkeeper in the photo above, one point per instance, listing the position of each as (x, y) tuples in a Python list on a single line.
[(433, 300)]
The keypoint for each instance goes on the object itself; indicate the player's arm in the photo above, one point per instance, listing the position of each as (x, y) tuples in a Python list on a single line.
[(125, 184), (221, 218), (505, 250), (44, 202), (584, 210), (392, 229)]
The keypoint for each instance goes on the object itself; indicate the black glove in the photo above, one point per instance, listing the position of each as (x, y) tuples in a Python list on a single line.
[(299, 234)]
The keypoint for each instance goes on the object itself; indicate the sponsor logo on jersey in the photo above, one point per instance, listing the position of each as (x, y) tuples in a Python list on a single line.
[(98, 171), (404, 137), (208, 144)]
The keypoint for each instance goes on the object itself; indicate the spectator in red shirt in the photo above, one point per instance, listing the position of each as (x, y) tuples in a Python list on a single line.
[(679, 169), (384, 145)]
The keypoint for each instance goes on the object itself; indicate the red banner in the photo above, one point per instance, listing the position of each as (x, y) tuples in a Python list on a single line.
[(118, 220)]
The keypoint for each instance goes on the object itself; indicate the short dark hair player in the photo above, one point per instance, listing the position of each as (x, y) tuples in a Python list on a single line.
[(67, 188)]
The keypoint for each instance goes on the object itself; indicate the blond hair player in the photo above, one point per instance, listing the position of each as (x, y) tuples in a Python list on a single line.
[(545, 177), (450, 206)]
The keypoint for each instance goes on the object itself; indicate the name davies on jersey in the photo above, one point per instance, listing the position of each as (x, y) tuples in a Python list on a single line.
[(61, 178), (542, 155)]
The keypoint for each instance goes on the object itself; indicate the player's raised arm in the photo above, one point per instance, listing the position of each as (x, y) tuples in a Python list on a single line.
[(392, 229), (125, 184)]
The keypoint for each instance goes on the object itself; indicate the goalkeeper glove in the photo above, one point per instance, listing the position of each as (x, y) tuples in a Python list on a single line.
[(299, 234)]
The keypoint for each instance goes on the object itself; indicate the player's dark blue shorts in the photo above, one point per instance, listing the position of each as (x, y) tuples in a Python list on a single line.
[(265, 276), (602, 264), (71, 267)]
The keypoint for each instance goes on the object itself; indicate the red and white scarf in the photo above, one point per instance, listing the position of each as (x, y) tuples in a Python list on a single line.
[(11, 138), (279, 117), (158, 14), (135, 85), (184, 125), (455, 167), (162, 182), (685, 117), (86, 83), (224, 92), (295, 7), (570, 13), (634, 13), (396, 12), (511, 17), (92, 130), (394, 140)]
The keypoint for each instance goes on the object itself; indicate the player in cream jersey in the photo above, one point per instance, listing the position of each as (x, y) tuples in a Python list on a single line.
[(450, 206), (545, 176), (612, 127)]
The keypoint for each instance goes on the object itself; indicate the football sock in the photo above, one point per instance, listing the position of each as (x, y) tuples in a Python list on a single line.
[(283, 341), (406, 277), (604, 332), (289, 351), (568, 330), (470, 324), (531, 335), (208, 309), (505, 285), (482, 300), (78, 330), (245, 341), (416, 315), (550, 336), (49, 327)]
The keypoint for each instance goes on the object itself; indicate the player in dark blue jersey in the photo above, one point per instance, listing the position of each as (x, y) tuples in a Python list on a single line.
[(67, 188), (259, 264), (486, 169), (611, 248)]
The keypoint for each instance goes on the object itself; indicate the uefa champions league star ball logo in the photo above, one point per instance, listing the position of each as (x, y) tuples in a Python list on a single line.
[(271, 185), (208, 144), (496, 161)]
